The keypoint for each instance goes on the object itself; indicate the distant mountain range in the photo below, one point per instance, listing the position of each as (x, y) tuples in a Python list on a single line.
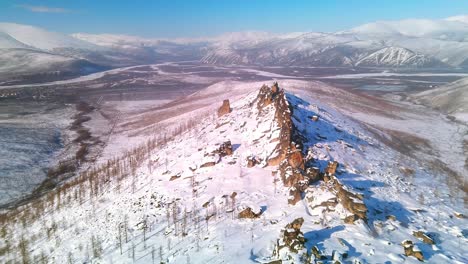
[(404, 44)]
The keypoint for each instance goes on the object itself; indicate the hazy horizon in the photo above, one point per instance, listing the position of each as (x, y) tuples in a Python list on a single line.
[(189, 19)]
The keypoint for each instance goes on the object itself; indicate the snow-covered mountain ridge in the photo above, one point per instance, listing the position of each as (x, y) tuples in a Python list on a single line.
[(183, 198), (404, 44)]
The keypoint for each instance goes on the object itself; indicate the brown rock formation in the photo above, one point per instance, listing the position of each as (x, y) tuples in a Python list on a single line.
[(252, 161), (290, 177), (313, 174), (410, 250), (295, 195), (275, 88), (292, 236), (208, 164), (423, 237), (225, 149), (350, 201), (288, 156), (174, 177), (248, 213), (331, 168), (295, 159), (225, 108)]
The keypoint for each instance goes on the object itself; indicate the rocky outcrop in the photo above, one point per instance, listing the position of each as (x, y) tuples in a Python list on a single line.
[(423, 237), (252, 161), (330, 194), (350, 201), (225, 149), (313, 174), (331, 168), (290, 247), (291, 240), (225, 108), (208, 164), (277, 97), (249, 213), (295, 195), (287, 154), (412, 250)]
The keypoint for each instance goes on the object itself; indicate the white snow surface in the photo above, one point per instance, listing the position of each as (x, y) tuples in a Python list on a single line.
[(39, 38), (366, 166)]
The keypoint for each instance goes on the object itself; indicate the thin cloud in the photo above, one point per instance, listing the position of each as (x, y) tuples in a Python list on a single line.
[(44, 9)]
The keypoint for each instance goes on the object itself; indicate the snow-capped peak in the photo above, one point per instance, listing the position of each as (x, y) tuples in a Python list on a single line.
[(460, 18), (41, 39)]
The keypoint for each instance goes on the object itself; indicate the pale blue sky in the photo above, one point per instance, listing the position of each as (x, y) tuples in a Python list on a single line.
[(193, 18)]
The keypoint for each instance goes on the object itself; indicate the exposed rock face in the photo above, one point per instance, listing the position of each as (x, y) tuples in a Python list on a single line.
[(208, 164), (252, 161), (313, 174), (350, 201), (412, 250), (275, 88), (295, 159), (288, 155), (225, 108), (291, 238), (334, 194), (295, 195), (331, 168), (291, 163), (249, 213), (225, 149), (275, 96)]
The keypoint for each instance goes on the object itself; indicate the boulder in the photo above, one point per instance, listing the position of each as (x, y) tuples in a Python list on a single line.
[(459, 215), (317, 254), (296, 160), (313, 174), (326, 196), (225, 149), (174, 177), (252, 161), (290, 177), (423, 237), (296, 224), (249, 213), (208, 164), (411, 250), (292, 236), (350, 201), (225, 108), (295, 195)]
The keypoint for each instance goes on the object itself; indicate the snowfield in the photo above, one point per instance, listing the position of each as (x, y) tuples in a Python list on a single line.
[(177, 200)]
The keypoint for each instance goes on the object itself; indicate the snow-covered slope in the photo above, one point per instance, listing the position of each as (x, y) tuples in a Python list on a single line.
[(27, 61), (116, 41), (182, 197), (398, 57), (41, 39), (436, 43), (437, 29), (451, 99)]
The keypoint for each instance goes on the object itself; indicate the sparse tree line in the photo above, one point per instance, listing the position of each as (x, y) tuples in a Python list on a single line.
[(87, 186)]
